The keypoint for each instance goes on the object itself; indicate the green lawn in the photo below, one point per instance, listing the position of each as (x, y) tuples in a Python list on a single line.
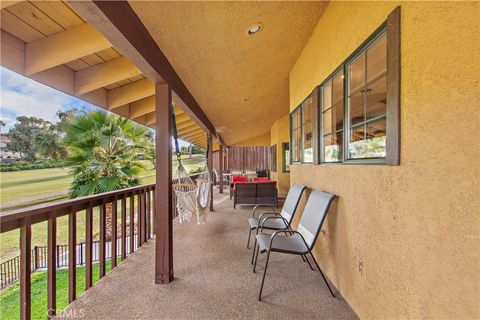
[(10, 297), (21, 184)]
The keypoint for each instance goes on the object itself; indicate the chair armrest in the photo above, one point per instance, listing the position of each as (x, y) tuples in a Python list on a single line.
[(269, 218), (261, 205), (286, 231), (264, 214)]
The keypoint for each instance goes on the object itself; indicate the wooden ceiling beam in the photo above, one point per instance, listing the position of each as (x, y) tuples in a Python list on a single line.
[(201, 141), (182, 119), (150, 119), (186, 124), (129, 93), (102, 75), (191, 129), (193, 135), (63, 47), (143, 106)]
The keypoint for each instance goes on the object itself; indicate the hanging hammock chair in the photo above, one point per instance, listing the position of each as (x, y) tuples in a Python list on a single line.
[(191, 198)]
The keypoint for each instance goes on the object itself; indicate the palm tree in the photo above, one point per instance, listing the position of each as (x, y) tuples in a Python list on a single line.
[(104, 154)]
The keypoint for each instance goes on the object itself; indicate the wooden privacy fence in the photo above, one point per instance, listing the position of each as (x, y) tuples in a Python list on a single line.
[(10, 269), (246, 158), (141, 201)]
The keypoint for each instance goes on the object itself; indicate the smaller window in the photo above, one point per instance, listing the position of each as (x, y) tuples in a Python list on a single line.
[(296, 136), (332, 118), (309, 109), (285, 157), (273, 158)]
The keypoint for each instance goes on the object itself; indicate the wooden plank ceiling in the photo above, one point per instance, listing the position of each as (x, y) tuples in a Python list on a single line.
[(49, 42)]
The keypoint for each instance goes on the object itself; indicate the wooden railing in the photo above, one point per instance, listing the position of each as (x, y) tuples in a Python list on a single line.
[(141, 203)]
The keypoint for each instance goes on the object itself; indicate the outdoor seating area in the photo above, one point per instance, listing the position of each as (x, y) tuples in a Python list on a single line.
[(214, 279)]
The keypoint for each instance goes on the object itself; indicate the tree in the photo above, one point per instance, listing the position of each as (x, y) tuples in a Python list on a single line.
[(23, 133), (2, 125), (104, 154), (48, 145), (197, 150)]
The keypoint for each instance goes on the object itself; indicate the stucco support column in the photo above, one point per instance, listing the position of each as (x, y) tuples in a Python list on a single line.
[(220, 169), (163, 190), (210, 167)]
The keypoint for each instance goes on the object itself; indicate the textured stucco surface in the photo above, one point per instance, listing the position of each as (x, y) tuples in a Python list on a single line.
[(279, 134), (403, 241)]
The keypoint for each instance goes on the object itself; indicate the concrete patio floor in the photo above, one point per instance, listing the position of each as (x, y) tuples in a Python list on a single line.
[(213, 279)]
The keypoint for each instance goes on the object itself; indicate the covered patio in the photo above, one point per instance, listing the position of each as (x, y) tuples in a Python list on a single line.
[(375, 102), (213, 279)]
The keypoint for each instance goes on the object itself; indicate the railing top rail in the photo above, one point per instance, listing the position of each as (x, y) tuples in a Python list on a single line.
[(11, 220)]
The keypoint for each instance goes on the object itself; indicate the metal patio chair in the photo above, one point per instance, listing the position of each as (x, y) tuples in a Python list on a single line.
[(277, 221), (300, 241)]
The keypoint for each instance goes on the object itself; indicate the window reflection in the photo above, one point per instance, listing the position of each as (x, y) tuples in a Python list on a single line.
[(332, 118), (308, 116), (367, 102)]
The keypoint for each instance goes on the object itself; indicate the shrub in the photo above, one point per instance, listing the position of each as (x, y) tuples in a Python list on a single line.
[(196, 170), (22, 165)]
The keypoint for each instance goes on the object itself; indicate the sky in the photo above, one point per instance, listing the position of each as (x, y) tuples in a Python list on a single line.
[(21, 96)]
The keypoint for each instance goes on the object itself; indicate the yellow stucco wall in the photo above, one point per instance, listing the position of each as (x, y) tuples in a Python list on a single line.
[(279, 133), (262, 140), (403, 241)]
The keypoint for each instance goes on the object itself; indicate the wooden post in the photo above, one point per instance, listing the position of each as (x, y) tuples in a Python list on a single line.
[(72, 256), (101, 242), (113, 243), (88, 246), (25, 269), (52, 266), (124, 228), (132, 223), (163, 190), (210, 168), (220, 173)]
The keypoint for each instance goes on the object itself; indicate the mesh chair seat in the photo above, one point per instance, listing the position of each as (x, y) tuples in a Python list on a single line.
[(270, 224), (287, 244)]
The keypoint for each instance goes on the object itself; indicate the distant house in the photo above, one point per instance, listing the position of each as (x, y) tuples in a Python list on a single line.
[(5, 154)]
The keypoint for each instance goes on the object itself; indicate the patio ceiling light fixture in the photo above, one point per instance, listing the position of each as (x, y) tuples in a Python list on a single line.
[(254, 29)]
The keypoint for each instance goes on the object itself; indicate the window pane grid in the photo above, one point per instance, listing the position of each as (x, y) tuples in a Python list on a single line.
[(366, 104), (332, 97), (307, 125)]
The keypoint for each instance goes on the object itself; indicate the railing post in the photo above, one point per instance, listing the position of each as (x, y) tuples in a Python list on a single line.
[(35, 258), (124, 228), (52, 251), (113, 243), (148, 213), (72, 256), (132, 222), (25, 269), (163, 190), (101, 243), (88, 246), (139, 219)]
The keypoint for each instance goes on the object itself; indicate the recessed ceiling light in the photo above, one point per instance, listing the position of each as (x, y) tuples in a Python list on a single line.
[(254, 29)]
